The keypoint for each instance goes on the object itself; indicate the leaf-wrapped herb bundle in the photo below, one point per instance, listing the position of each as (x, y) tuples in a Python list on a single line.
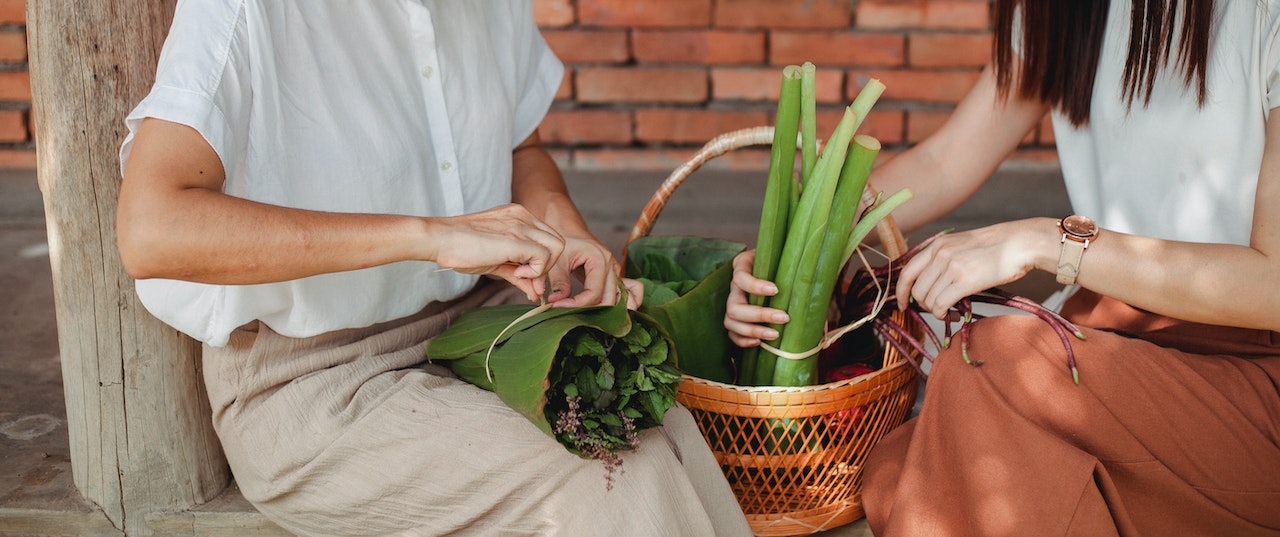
[(686, 285), (591, 377)]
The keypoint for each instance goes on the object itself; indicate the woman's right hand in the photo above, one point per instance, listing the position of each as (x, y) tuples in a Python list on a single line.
[(506, 241), (742, 319)]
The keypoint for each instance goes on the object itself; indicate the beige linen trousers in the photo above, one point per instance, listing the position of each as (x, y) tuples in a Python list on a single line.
[(351, 433)]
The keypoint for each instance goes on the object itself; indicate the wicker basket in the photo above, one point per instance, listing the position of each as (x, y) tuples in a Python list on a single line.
[(815, 484)]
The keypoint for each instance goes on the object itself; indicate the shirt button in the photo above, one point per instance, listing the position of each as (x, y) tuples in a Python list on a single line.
[(446, 166), (428, 71)]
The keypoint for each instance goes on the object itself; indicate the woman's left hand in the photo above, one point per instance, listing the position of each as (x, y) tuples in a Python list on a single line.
[(957, 265)]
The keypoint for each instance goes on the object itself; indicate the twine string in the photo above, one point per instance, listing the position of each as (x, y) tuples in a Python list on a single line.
[(829, 338), (488, 373)]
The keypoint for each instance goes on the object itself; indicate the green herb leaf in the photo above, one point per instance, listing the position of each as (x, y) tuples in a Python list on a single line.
[(655, 354)]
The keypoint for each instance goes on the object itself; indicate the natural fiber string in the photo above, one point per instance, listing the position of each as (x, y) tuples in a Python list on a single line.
[(882, 297), (543, 306), (488, 373)]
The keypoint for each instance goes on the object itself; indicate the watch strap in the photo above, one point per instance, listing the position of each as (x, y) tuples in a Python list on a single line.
[(1069, 260)]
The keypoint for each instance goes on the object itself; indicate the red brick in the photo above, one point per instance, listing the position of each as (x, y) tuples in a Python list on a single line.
[(553, 13), (645, 13), (13, 126), (694, 126), (783, 13), (883, 124), (836, 48), (574, 127), (762, 84), (746, 159), (949, 49), (24, 159), (707, 47), (13, 12), (1034, 156), (633, 85), (589, 46), (565, 91), (630, 159), (925, 86), (15, 86), (13, 47), (897, 14), (922, 123)]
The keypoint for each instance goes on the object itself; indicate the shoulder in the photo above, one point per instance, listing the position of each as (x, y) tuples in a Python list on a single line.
[(201, 41)]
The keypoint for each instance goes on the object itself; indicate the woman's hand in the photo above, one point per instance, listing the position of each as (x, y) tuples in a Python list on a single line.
[(957, 265), (741, 318), (506, 241), (599, 273)]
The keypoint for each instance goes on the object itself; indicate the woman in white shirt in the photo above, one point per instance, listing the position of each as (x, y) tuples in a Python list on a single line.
[(295, 185), (1170, 147)]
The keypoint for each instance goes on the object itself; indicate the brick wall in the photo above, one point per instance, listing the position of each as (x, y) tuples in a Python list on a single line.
[(17, 143), (649, 81)]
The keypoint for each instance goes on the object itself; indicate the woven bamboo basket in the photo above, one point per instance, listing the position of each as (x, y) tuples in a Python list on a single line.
[(815, 484)]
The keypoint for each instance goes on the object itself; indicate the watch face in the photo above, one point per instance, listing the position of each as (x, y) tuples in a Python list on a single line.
[(1079, 226)]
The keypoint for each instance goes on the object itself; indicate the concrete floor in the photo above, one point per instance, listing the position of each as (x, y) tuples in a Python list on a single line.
[(34, 455)]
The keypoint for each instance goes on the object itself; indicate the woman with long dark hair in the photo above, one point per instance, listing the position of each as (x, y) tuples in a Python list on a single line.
[(1162, 116)]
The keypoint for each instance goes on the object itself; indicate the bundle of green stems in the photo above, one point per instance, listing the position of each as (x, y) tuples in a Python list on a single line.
[(810, 224)]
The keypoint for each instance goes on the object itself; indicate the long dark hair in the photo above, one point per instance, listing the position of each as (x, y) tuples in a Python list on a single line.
[(1062, 43)]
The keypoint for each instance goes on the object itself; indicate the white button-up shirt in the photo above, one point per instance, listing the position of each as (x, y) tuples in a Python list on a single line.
[(374, 106)]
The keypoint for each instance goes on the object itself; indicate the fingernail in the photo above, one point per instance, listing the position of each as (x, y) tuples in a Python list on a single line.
[(781, 318), (770, 288), (771, 334)]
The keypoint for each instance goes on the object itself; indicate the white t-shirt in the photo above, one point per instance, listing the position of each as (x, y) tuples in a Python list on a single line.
[(375, 106), (1171, 170)]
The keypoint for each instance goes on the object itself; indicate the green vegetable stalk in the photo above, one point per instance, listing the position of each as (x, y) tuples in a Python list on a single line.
[(820, 233), (779, 189)]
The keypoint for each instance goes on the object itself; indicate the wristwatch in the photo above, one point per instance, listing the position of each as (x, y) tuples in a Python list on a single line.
[(1077, 233)]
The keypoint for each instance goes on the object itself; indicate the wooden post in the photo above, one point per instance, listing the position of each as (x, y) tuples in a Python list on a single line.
[(138, 417)]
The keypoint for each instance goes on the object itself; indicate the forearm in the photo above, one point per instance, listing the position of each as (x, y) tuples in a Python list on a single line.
[(1208, 283), (536, 183), (209, 237), (1219, 284)]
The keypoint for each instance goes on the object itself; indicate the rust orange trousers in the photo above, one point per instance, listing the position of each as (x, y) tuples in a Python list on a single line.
[(1173, 430)]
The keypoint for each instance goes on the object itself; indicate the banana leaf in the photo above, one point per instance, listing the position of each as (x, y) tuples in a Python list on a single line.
[(686, 285), (590, 377)]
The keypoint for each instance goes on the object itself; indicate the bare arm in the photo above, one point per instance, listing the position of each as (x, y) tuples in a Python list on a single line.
[(174, 222), (946, 168), (1218, 284)]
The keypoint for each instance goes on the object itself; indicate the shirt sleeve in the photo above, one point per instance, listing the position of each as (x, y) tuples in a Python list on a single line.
[(541, 78), (202, 80), (1270, 53)]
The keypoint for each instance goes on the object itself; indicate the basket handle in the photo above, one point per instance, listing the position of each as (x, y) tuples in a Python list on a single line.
[(887, 230)]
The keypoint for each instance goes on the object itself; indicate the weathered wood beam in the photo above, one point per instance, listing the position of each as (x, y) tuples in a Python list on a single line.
[(138, 418)]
